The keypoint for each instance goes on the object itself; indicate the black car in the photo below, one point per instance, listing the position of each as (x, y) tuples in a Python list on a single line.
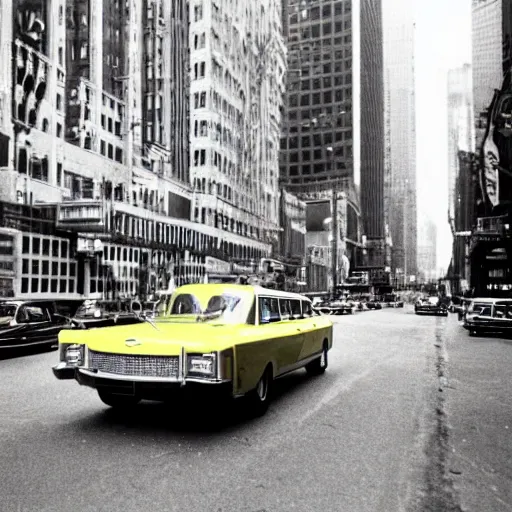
[(33, 322), (106, 313), (431, 306)]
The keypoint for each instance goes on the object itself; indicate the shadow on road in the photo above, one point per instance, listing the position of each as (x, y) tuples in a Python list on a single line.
[(191, 415), (13, 353)]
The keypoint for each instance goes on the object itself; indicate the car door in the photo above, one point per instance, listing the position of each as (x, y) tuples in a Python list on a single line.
[(36, 324), (285, 335), (313, 335), (293, 340)]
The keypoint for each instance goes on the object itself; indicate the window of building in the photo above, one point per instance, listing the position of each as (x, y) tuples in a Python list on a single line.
[(198, 12)]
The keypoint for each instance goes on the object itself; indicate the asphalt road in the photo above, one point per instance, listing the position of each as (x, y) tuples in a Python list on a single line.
[(371, 434)]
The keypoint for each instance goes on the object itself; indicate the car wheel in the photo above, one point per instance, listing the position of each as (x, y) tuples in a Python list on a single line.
[(118, 401), (259, 398), (319, 365)]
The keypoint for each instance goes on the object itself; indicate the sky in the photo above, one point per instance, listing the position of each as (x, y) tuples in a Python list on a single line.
[(443, 42)]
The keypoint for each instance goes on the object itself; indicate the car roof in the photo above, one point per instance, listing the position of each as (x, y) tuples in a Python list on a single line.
[(490, 300), (242, 288)]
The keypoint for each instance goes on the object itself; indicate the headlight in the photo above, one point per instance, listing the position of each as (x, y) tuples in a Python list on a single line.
[(202, 365), (74, 355)]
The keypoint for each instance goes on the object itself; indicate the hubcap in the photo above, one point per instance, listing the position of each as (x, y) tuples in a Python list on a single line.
[(262, 387), (323, 358)]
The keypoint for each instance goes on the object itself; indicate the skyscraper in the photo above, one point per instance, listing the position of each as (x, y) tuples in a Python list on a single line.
[(333, 129), (238, 67), (400, 112), (318, 108), (487, 58), (372, 137), (427, 248)]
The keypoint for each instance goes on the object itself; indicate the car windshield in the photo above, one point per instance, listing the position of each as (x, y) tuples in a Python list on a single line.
[(217, 306)]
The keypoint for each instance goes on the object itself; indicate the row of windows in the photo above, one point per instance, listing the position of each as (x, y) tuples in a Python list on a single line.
[(42, 246), (276, 310), (37, 267), (315, 13), (318, 154), (325, 29), (318, 140), (108, 151), (318, 98), (45, 285)]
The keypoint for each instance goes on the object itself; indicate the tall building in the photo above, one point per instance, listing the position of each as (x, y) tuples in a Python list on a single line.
[(460, 170), (489, 247), (112, 117), (487, 41), (427, 249), (399, 34), (460, 127), (317, 139), (372, 135), (238, 66), (333, 128)]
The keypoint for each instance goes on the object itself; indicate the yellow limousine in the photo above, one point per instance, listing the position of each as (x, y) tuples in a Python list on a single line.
[(236, 337)]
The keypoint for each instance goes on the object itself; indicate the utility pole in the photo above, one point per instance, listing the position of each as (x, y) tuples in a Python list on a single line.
[(334, 242), (334, 227)]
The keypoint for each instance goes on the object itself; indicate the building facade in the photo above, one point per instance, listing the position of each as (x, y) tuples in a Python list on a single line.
[(461, 160), (238, 67), (487, 41), (372, 136), (99, 135), (427, 250), (321, 126), (317, 137), (490, 245), (399, 34)]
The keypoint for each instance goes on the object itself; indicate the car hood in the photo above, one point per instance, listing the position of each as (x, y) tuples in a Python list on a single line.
[(167, 339)]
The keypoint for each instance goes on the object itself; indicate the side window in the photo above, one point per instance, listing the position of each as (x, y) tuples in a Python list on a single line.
[(500, 311), (296, 311), (286, 309), (307, 311), (269, 310), (29, 314)]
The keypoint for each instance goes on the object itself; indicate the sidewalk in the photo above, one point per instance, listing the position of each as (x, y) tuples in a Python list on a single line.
[(478, 404)]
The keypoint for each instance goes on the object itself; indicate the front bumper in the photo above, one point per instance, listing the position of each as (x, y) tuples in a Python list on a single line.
[(89, 374)]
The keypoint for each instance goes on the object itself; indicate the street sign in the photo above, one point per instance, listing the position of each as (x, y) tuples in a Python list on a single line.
[(463, 233)]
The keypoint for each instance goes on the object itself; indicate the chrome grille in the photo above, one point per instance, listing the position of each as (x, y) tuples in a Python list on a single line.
[(135, 365)]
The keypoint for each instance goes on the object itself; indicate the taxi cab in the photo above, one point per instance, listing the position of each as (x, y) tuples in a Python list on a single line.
[(488, 315), (236, 337)]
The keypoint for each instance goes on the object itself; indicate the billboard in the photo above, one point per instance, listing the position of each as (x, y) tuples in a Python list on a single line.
[(316, 213)]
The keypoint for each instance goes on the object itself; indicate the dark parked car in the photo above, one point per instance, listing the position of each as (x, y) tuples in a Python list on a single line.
[(33, 322), (107, 313), (431, 306), (374, 304), (489, 315)]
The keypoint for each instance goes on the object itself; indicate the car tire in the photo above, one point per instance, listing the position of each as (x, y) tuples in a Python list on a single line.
[(117, 401), (259, 398), (319, 365)]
